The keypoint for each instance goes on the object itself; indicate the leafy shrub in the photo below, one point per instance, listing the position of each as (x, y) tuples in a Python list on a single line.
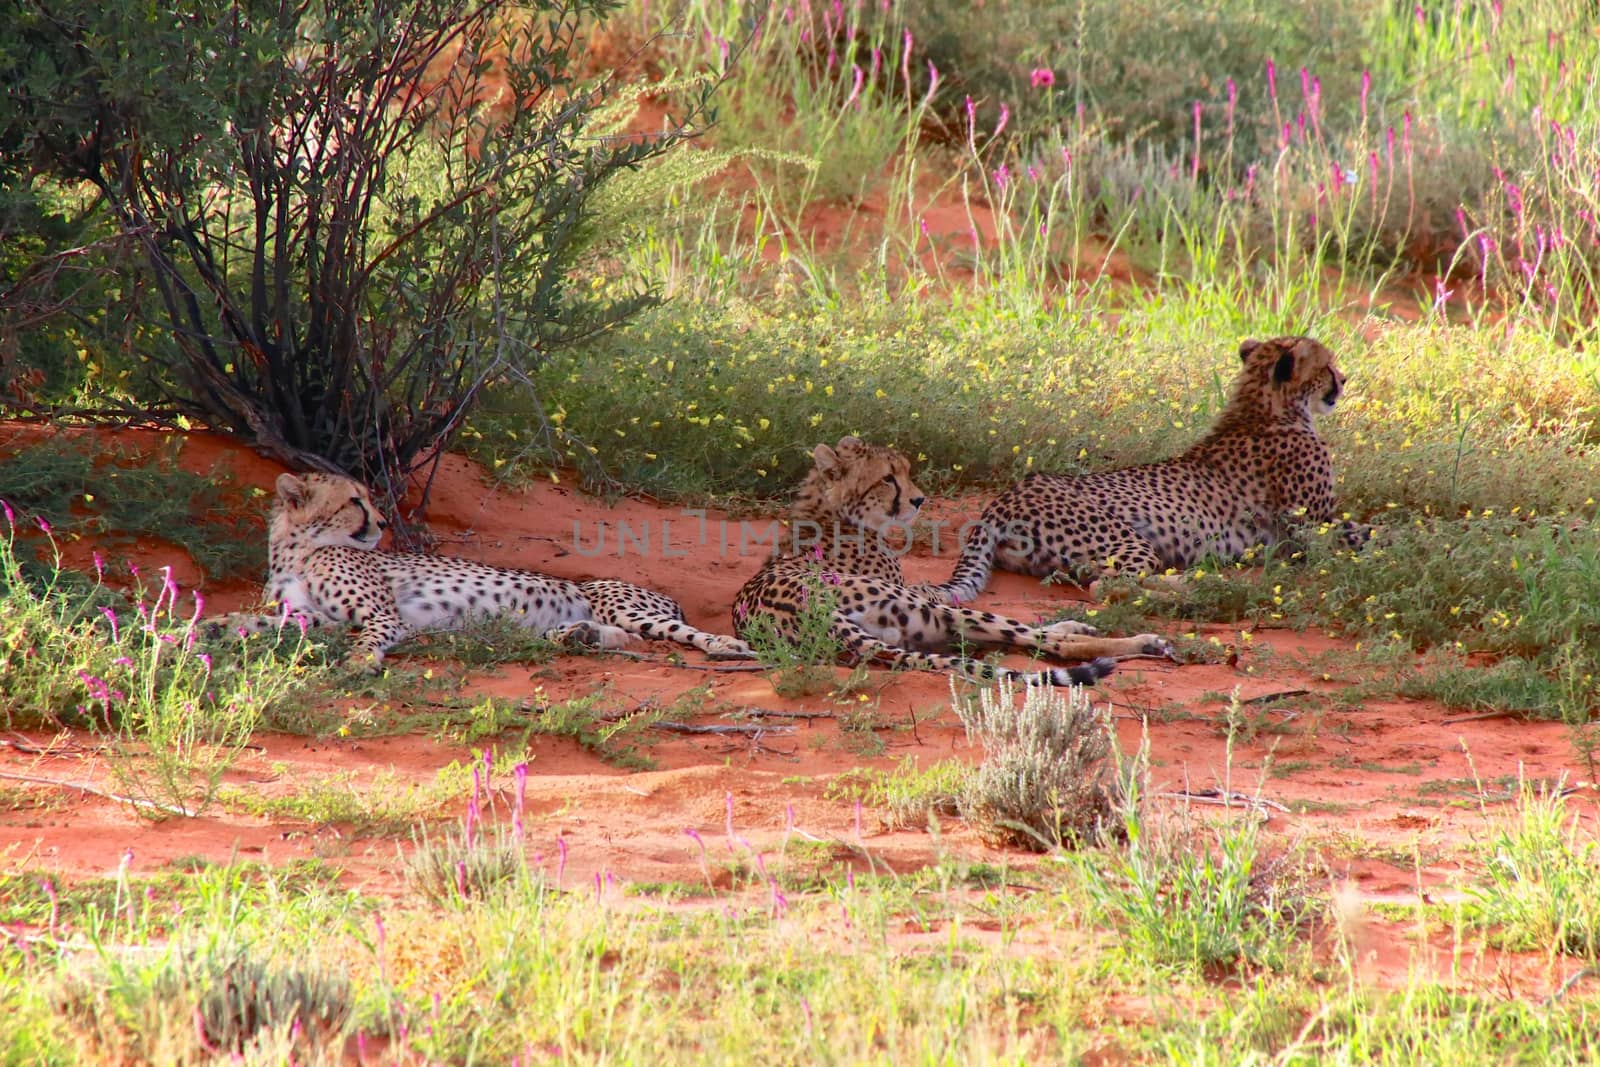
[(81, 486), (346, 239)]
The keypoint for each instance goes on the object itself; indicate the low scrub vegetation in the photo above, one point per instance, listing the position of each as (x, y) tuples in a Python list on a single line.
[(1004, 239)]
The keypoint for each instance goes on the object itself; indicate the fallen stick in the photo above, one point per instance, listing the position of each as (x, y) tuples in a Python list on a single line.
[(746, 731), (85, 787), (765, 713), (1572, 980), (1268, 697), (1225, 800), (648, 657), (1499, 713), (60, 745)]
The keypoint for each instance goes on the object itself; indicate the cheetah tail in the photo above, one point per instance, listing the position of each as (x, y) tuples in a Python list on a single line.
[(1086, 673), (869, 648)]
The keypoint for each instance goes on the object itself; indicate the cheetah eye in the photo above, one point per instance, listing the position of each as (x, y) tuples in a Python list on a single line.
[(888, 479)]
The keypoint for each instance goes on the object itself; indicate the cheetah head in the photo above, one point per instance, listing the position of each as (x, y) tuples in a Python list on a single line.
[(325, 509), (856, 484), (1286, 376)]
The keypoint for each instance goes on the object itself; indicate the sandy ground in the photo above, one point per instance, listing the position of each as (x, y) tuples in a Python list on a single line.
[(1383, 791)]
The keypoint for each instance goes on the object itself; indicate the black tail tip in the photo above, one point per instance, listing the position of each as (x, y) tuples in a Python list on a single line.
[(1091, 672)]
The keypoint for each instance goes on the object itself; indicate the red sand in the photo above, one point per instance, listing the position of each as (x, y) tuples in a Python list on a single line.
[(1389, 781)]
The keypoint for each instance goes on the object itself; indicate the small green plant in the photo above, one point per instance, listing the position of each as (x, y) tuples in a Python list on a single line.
[(1538, 890), (174, 717), (1048, 778), (595, 723), (387, 803), (472, 860), (800, 652), (189, 1005), (1183, 894), (910, 795), (464, 862)]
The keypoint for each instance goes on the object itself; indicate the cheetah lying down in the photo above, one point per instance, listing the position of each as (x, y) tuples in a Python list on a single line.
[(1259, 473), (322, 564), (853, 494)]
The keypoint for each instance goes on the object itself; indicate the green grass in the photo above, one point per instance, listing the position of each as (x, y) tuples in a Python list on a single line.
[(135, 673), (1432, 264), (909, 796), (1539, 890), (384, 804), (843, 967)]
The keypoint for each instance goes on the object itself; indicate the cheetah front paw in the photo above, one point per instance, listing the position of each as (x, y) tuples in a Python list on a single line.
[(363, 659), (933, 593), (719, 646)]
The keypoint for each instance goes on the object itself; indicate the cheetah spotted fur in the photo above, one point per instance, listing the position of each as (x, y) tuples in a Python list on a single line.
[(854, 499), (323, 566), (1259, 473)]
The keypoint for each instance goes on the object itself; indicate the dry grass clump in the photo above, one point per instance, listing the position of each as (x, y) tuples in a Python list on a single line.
[(1047, 779)]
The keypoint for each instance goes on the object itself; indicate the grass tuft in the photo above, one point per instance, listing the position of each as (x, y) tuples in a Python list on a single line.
[(1048, 778)]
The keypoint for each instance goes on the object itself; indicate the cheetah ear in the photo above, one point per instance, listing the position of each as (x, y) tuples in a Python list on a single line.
[(292, 491), (850, 443), (827, 461), (1283, 370), (1246, 348)]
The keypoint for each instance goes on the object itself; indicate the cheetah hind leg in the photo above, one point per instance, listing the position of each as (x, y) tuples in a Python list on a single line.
[(931, 626), (1071, 628), (1167, 589), (655, 617)]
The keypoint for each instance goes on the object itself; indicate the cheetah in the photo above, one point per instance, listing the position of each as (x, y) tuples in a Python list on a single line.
[(853, 499), (323, 565), (1260, 472)]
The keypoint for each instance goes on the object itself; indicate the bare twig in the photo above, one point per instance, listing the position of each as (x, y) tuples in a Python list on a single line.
[(1224, 800), (1266, 698), (1573, 979), (85, 787), (1499, 713), (758, 730), (768, 713), (667, 661), (61, 745)]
